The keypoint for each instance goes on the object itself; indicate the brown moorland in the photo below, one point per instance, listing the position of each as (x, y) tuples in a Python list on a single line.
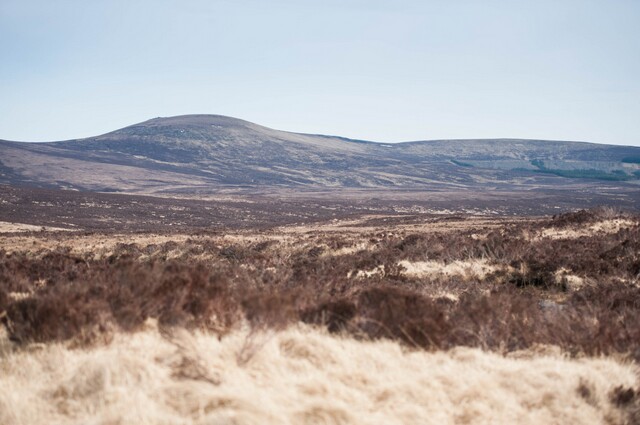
[(543, 313)]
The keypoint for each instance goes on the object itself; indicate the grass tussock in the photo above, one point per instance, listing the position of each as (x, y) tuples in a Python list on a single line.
[(303, 375)]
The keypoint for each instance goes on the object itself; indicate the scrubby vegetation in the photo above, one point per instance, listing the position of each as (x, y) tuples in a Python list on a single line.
[(545, 285), (385, 319)]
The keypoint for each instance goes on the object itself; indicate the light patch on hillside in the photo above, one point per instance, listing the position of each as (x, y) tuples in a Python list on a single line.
[(602, 227), (476, 268), (300, 376), (376, 271), (6, 227), (573, 281)]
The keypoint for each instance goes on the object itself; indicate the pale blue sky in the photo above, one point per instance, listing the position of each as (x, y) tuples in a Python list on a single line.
[(377, 70)]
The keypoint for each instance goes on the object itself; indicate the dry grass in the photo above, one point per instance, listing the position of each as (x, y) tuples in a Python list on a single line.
[(303, 375), (603, 226), (474, 269), (6, 227)]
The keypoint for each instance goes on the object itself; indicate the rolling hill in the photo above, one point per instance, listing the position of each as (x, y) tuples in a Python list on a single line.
[(199, 154)]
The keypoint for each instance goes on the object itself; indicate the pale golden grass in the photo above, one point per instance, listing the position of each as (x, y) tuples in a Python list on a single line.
[(95, 244), (360, 225), (376, 271), (600, 227), (299, 376), (7, 227), (471, 269), (572, 281)]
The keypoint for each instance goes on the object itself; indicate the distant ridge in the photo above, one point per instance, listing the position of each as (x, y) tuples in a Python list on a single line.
[(192, 154)]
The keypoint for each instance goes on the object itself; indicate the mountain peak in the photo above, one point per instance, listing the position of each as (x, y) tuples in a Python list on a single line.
[(196, 120), (207, 153)]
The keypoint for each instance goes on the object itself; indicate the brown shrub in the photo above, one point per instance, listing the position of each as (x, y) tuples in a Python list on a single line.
[(388, 312), (335, 315), (70, 296)]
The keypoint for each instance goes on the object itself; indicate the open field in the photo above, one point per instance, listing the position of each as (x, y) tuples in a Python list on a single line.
[(355, 318)]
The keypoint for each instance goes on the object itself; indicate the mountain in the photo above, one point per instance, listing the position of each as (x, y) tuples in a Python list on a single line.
[(197, 154)]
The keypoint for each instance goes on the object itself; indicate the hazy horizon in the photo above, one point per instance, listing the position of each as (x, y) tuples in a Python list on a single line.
[(385, 72)]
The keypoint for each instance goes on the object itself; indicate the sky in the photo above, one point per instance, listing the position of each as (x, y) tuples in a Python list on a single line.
[(386, 71)]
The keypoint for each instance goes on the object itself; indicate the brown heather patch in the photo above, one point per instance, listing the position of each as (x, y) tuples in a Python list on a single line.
[(216, 283)]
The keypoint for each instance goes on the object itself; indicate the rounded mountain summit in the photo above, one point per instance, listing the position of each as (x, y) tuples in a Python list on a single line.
[(209, 153)]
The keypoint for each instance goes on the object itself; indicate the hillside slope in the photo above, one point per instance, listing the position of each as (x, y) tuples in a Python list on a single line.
[(209, 153)]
